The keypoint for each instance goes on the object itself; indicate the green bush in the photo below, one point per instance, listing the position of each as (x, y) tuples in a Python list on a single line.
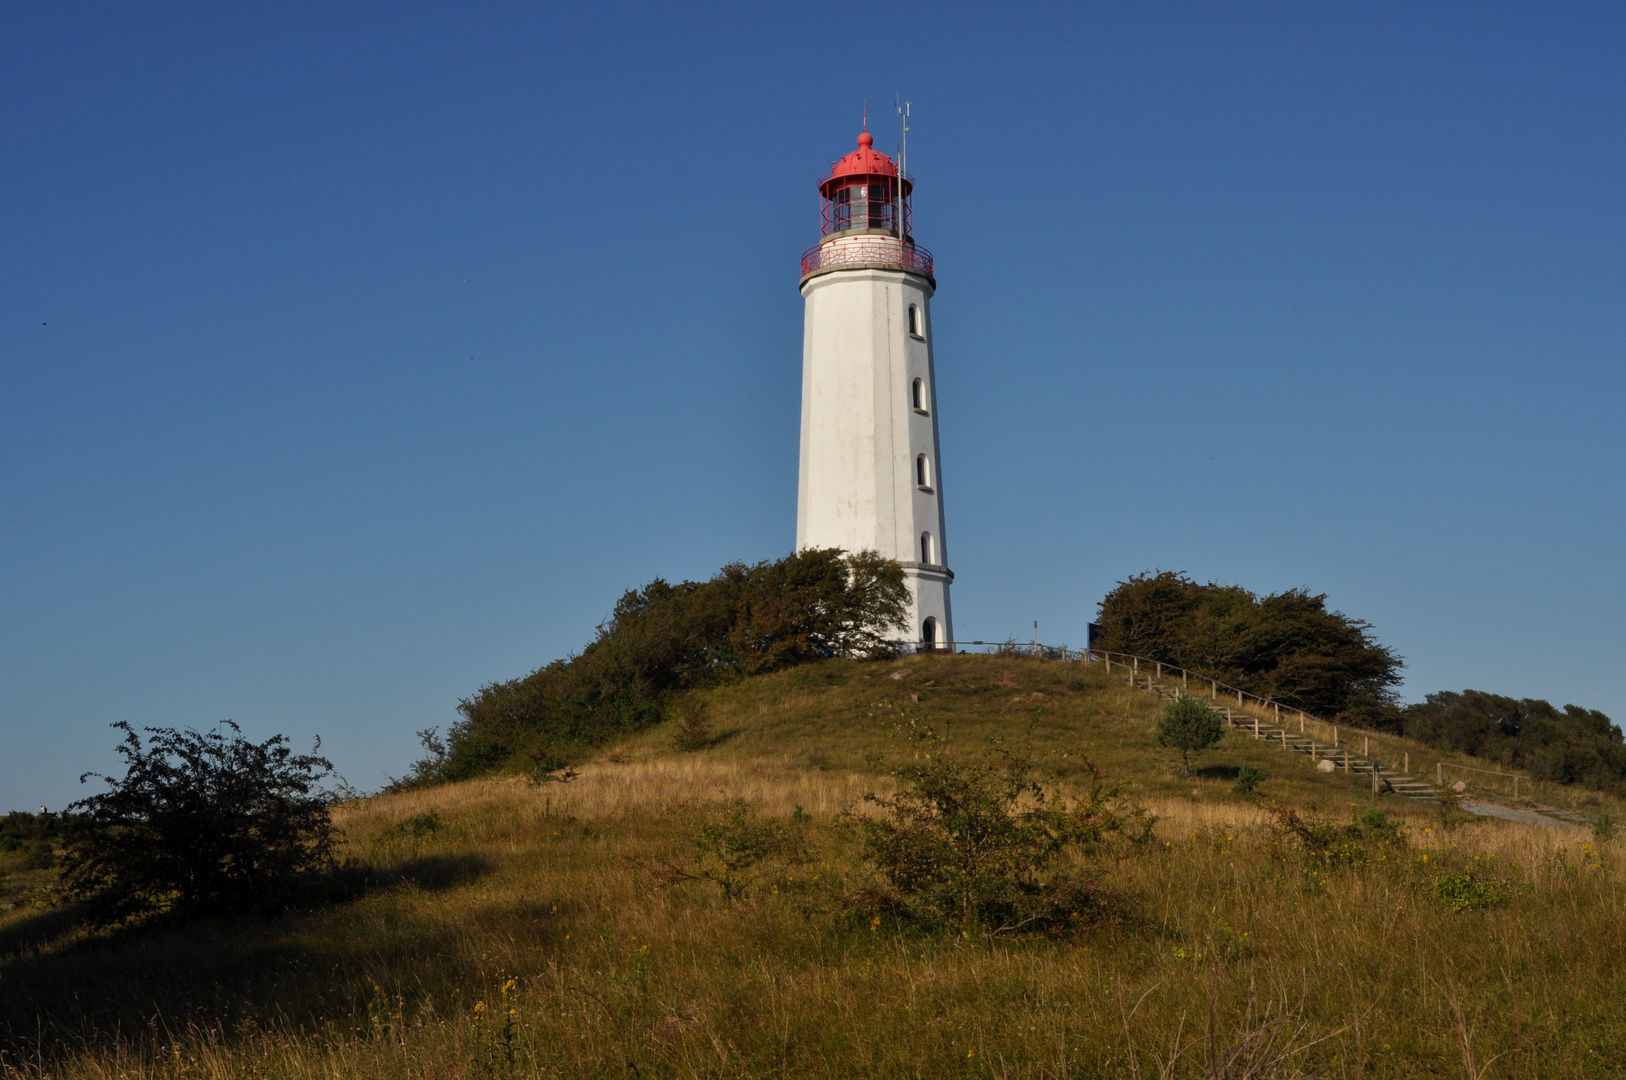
[(1568, 746), (693, 731), (1466, 892), (664, 639), (34, 838), (732, 846), (418, 826), (1604, 828), (1248, 778), (1188, 725), (200, 822), (1286, 647), (978, 845), (1449, 810), (1322, 844)]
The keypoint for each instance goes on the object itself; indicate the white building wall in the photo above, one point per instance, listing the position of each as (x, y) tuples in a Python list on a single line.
[(861, 434)]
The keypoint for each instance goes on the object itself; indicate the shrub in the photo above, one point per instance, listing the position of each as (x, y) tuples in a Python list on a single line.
[(1449, 811), (1322, 844), (1248, 778), (733, 844), (33, 838), (429, 769), (1466, 892), (418, 826), (976, 845), (1604, 828), (664, 639), (693, 730), (200, 821), (1189, 725)]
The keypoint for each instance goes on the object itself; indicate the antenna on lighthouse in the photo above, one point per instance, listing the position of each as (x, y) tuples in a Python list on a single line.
[(903, 170)]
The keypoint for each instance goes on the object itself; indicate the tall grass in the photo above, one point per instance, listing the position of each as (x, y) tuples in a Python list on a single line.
[(1243, 957)]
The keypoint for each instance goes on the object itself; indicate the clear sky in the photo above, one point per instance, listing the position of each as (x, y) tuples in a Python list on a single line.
[(352, 357)]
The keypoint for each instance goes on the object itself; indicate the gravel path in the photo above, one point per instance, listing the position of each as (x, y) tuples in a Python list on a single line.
[(1529, 817)]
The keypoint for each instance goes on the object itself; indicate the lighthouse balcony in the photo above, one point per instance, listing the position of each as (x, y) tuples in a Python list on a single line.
[(871, 252)]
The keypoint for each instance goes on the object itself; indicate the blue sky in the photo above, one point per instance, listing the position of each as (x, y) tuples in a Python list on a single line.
[(352, 357)]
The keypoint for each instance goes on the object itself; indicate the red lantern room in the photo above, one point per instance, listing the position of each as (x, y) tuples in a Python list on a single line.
[(861, 192), (860, 205)]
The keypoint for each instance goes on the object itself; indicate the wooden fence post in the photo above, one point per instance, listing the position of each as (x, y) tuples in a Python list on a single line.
[(1374, 779), (1239, 699), (1346, 760), (1439, 774), (1406, 768)]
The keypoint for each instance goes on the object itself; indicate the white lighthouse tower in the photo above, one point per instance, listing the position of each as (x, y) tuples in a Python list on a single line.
[(869, 470)]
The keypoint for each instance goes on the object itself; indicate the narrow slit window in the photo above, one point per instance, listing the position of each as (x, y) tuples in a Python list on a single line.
[(923, 473), (926, 552), (919, 395), (914, 322)]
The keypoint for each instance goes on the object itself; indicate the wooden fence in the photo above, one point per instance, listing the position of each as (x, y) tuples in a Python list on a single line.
[(1393, 753)]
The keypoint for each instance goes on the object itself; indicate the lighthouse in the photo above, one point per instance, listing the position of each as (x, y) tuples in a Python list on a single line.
[(870, 477)]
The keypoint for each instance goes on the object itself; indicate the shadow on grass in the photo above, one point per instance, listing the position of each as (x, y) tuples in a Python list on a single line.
[(1218, 772), (39, 929), (67, 987), (710, 741), (429, 872)]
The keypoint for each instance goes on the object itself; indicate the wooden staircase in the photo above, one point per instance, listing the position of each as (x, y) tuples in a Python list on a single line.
[(1269, 722), (1343, 758)]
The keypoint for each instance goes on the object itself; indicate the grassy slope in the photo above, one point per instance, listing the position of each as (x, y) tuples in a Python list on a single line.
[(1360, 973)]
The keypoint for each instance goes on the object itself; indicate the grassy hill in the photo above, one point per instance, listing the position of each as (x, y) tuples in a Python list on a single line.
[(1487, 949)]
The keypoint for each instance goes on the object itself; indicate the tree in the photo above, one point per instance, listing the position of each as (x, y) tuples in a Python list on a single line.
[(818, 603), (1189, 726), (199, 822), (1569, 746), (663, 639), (1286, 646)]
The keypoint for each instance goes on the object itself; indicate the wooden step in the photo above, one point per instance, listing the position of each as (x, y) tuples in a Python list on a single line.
[(1271, 733), (1300, 742)]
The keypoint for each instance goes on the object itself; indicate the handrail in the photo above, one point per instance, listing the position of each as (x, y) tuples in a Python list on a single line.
[(883, 252), (1133, 662), (1270, 703)]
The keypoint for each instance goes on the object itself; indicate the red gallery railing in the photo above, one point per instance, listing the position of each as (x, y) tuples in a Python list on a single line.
[(879, 251)]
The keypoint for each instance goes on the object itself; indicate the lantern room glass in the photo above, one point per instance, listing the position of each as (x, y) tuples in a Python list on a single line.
[(869, 205)]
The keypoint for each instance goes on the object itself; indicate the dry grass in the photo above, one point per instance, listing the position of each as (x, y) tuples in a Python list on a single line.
[(1235, 964)]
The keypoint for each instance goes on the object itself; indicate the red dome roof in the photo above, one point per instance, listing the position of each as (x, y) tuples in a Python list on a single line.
[(865, 161)]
